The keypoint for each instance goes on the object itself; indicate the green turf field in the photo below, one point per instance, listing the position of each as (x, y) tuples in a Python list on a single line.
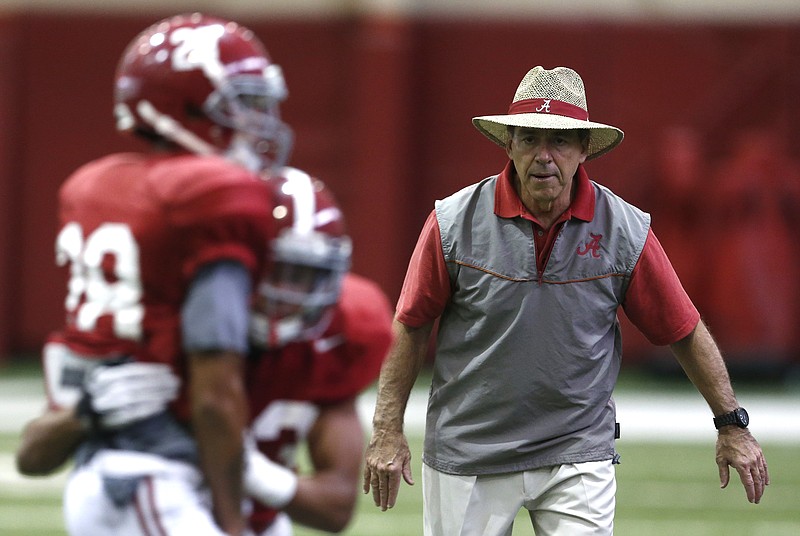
[(663, 489)]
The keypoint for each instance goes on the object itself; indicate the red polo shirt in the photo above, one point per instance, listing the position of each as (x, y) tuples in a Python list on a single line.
[(655, 302)]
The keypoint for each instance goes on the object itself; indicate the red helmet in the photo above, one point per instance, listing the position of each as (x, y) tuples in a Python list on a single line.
[(205, 84), (310, 254)]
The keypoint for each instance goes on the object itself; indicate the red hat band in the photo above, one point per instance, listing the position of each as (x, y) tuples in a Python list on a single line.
[(548, 106)]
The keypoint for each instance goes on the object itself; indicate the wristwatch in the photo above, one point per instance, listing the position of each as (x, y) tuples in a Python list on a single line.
[(739, 417)]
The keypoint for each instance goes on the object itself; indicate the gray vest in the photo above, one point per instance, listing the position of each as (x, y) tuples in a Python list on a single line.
[(526, 362)]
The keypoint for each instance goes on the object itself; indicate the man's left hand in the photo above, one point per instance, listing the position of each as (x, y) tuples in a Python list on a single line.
[(737, 448)]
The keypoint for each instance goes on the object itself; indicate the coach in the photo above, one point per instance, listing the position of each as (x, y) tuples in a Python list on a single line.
[(526, 271)]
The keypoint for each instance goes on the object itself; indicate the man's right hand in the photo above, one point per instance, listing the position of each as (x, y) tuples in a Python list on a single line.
[(387, 458)]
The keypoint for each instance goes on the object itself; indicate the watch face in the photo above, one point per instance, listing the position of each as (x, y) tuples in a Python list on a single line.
[(742, 417)]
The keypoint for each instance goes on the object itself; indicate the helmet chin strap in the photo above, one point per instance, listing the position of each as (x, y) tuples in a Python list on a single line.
[(167, 127)]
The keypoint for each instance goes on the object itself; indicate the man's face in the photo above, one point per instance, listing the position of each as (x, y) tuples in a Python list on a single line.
[(545, 162)]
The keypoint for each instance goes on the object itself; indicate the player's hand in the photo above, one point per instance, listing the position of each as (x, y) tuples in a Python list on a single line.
[(737, 448), (124, 394), (387, 458), (266, 481)]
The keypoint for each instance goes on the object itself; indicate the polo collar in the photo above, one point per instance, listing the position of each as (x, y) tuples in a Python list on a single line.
[(507, 203)]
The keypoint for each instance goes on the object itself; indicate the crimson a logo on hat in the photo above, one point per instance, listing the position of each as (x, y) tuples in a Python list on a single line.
[(545, 107)]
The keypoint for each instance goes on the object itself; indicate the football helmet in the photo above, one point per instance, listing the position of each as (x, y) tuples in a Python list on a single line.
[(207, 85), (309, 256)]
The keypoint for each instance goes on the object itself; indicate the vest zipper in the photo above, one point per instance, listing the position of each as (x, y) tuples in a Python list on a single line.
[(549, 253)]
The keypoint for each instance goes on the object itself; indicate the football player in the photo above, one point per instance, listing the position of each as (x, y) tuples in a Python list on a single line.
[(318, 339), (163, 250)]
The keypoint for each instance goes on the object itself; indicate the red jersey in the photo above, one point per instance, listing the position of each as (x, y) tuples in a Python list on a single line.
[(135, 228), (287, 386)]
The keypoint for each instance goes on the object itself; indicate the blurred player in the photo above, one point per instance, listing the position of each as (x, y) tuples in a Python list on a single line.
[(163, 250), (314, 350)]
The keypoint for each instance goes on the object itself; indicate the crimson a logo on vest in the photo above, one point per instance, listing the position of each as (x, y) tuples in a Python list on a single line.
[(592, 246)]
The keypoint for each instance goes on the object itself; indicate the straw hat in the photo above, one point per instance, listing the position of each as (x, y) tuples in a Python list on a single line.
[(553, 99)]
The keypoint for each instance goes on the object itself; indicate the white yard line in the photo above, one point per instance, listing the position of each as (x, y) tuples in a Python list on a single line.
[(657, 417), (643, 416)]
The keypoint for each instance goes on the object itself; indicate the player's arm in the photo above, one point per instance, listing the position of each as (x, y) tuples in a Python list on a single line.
[(111, 398), (214, 319), (48, 441), (326, 498), (218, 415)]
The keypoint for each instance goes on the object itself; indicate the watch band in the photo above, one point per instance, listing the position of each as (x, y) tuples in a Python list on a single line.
[(738, 417)]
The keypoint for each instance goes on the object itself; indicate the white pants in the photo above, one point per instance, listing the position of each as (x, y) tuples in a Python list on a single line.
[(575, 499), (168, 501)]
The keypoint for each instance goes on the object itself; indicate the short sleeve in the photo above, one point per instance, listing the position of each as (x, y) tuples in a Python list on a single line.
[(426, 288), (656, 302)]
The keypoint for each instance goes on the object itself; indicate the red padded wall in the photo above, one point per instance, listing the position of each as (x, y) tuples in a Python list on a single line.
[(381, 109)]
